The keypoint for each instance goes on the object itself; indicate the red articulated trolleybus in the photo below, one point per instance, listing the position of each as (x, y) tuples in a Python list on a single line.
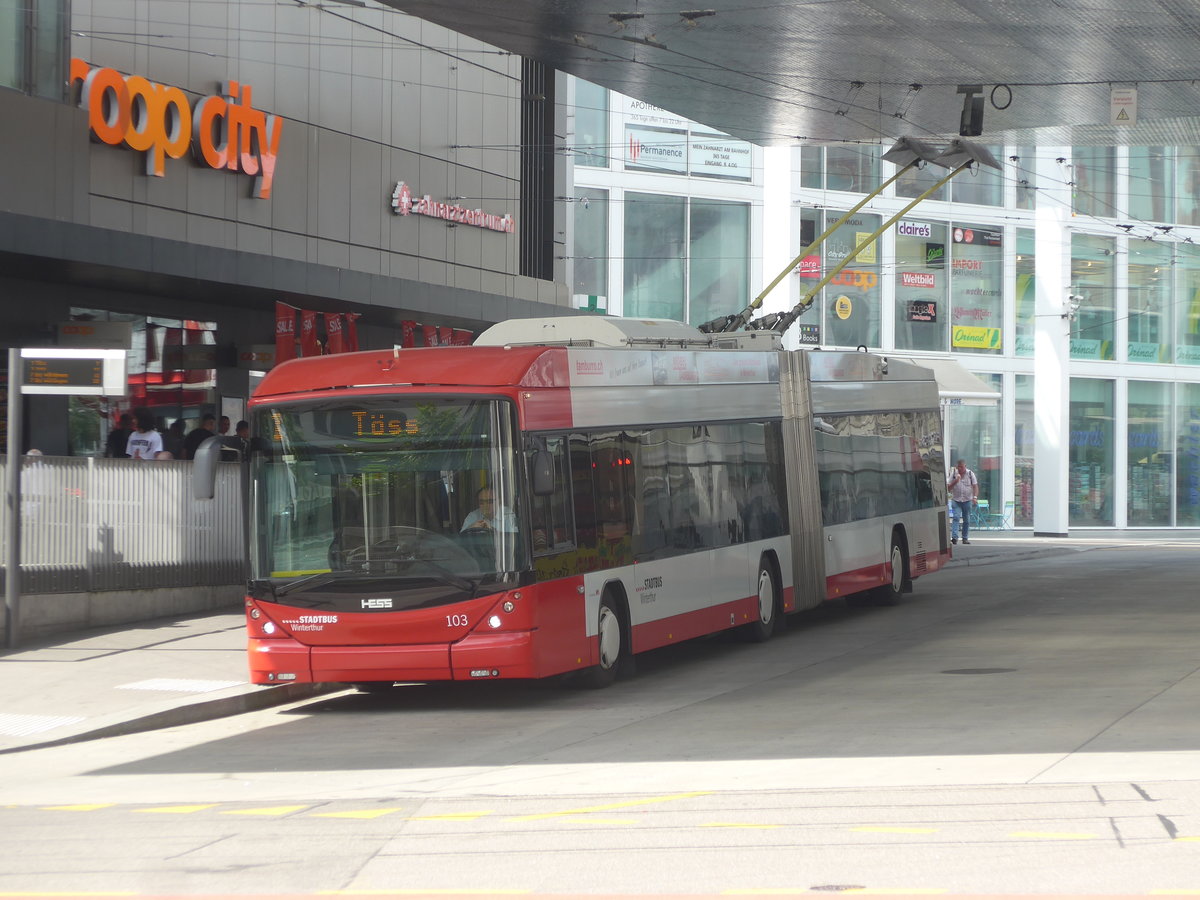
[(648, 483)]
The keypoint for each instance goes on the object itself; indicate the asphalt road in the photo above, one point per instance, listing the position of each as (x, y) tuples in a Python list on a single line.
[(1027, 728)]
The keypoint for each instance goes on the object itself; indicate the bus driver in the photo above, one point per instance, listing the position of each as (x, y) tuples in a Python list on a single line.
[(486, 517)]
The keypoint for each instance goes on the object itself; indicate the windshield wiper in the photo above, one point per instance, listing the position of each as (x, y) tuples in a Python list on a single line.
[(316, 580)]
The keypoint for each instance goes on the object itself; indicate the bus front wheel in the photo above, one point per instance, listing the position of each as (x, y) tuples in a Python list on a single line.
[(611, 645)]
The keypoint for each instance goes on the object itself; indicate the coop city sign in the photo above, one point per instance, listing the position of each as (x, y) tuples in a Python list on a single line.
[(225, 131)]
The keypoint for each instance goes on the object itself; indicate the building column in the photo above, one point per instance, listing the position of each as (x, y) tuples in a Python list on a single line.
[(1052, 342), (778, 248)]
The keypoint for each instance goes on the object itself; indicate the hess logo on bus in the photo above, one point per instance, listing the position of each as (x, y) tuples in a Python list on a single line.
[(224, 131)]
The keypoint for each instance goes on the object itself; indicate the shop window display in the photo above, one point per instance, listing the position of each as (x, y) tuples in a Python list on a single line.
[(977, 281)]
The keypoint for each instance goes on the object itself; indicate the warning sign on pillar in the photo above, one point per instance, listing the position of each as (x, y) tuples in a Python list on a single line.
[(1122, 106)]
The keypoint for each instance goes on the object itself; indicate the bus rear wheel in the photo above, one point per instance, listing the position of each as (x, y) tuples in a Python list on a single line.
[(891, 593), (761, 629), (611, 645)]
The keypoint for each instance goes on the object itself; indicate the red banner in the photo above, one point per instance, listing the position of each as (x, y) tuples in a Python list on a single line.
[(333, 333), (431, 335), (309, 346), (445, 336), (461, 337), (408, 333), (350, 338), (285, 332)]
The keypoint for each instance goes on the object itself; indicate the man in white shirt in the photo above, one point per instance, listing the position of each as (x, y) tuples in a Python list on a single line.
[(964, 492), (487, 518)]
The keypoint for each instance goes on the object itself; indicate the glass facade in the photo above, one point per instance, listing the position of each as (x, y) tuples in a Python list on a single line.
[(591, 245), (1149, 461), (1187, 451), (33, 46), (977, 317), (945, 280), (1093, 181), (975, 436), (718, 259), (1025, 436), (1187, 304), (853, 297), (1024, 293), (1151, 285), (921, 285), (1090, 457), (591, 124), (655, 242), (983, 185), (1151, 183), (1092, 281)]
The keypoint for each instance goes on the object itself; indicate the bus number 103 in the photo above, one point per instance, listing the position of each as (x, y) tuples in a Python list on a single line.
[(457, 621)]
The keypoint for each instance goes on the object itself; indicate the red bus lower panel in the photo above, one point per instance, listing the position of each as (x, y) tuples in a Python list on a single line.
[(275, 661), (501, 655), (417, 662)]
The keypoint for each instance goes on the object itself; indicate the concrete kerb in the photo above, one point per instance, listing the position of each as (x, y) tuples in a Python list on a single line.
[(245, 698)]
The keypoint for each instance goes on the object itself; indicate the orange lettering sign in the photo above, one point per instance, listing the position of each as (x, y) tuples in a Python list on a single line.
[(224, 132)]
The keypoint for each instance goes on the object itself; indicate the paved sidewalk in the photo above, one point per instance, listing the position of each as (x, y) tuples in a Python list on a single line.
[(176, 671), (158, 674)]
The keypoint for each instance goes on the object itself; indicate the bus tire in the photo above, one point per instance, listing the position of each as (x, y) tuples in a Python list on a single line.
[(891, 593), (612, 645), (769, 604)]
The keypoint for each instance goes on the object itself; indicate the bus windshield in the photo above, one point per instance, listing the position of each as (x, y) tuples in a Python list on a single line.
[(369, 494)]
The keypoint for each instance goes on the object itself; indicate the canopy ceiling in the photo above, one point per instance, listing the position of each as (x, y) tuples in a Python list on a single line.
[(828, 71)]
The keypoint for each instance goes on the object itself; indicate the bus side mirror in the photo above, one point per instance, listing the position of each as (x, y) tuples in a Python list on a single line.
[(542, 473), (204, 468)]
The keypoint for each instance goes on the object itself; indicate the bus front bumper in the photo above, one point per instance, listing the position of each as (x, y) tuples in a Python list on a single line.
[(475, 657)]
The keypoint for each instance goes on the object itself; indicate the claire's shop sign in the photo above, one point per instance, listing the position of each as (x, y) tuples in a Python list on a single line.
[(224, 131), (403, 203)]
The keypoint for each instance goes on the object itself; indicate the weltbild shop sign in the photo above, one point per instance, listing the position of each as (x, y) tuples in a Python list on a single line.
[(224, 131)]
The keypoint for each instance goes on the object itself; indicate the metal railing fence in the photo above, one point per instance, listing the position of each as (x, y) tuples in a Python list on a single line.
[(119, 524)]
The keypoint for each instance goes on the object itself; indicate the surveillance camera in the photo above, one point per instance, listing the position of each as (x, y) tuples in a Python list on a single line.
[(586, 202)]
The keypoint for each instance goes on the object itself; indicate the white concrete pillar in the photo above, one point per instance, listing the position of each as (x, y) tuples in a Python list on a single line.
[(778, 248), (1052, 344)]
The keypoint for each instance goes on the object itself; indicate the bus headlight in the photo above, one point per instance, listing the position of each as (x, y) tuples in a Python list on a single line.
[(495, 622)]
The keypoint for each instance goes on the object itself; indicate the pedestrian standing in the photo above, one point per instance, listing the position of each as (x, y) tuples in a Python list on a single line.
[(145, 442), (964, 493)]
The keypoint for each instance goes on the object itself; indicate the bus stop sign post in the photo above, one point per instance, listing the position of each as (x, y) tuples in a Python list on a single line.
[(51, 370), (12, 496)]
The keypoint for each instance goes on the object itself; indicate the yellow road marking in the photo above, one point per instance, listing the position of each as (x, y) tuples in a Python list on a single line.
[(1055, 835), (177, 809), (452, 817), (264, 811), (81, 807), (923, 891), (489, 892), (1188, 838), (607, 806), (736, 825), (893, 829), (1176, 892), (358, 813)]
